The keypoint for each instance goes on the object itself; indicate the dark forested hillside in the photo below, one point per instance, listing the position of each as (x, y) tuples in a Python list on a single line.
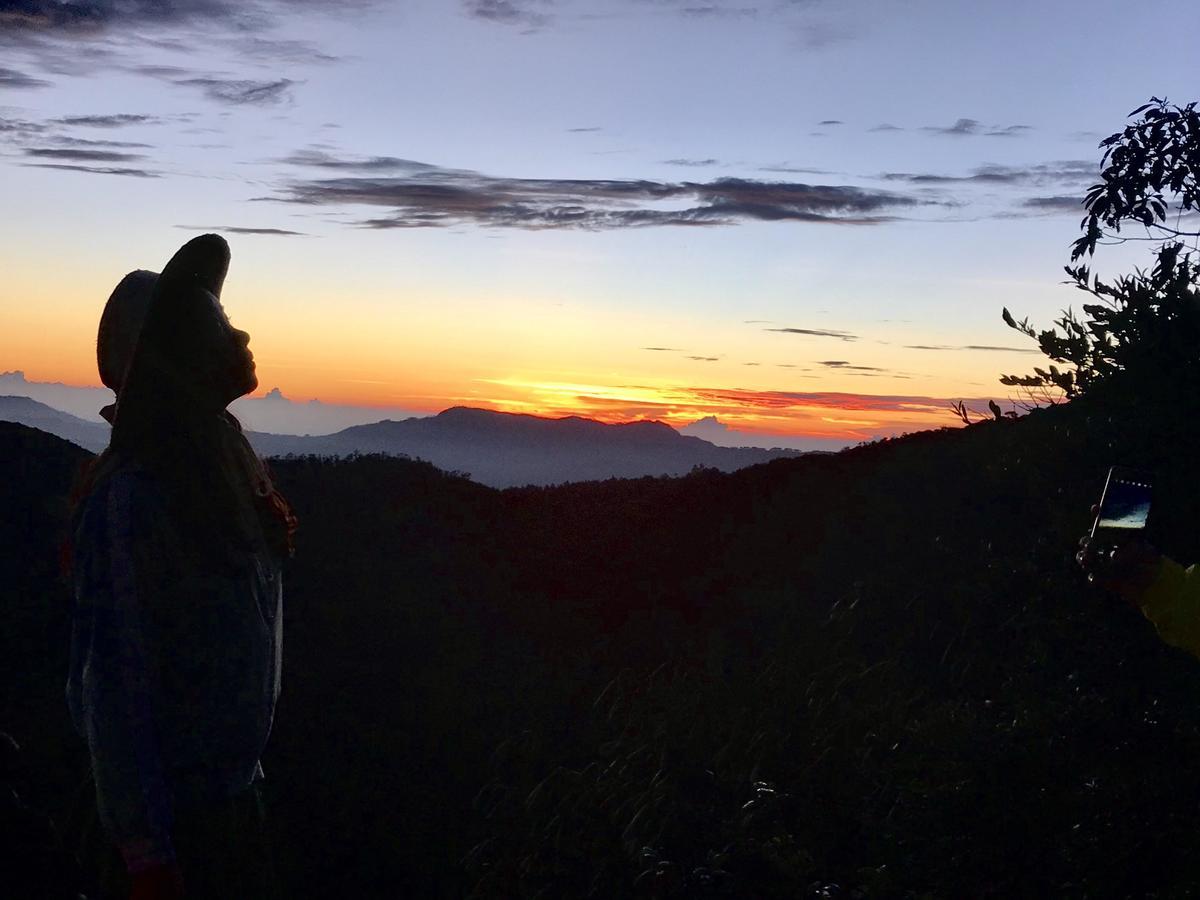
[(873, 673)]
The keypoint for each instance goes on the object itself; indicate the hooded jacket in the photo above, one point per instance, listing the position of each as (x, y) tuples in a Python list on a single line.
[(173, 674), (175, 654)]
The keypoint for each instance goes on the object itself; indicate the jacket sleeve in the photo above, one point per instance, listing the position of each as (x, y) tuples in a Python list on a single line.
[(1172, 603), (117, 692)]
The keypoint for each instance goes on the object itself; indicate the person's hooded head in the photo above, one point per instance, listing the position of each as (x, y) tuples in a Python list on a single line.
[(167, 349), (120, 324), (186, 353)]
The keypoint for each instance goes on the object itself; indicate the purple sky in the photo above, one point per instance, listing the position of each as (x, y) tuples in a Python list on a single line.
[(437, 198)]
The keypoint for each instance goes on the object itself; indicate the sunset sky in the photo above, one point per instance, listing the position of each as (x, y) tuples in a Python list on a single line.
[(802, 218)]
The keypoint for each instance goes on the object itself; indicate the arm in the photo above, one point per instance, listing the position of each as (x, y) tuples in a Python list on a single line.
[(1172, 602), (119, 692)]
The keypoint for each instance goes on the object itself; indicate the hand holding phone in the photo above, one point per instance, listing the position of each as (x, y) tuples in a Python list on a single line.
[(1124, 507), (1115, 554)]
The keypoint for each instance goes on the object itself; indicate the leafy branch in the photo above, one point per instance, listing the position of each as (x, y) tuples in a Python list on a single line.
[(1147, 323), (1155, 157)]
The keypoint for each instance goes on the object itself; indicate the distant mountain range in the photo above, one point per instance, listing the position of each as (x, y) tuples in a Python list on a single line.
[(26, 411), (494, 448)]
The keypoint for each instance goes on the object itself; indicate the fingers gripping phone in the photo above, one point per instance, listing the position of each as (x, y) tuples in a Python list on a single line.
[(1124, 506)]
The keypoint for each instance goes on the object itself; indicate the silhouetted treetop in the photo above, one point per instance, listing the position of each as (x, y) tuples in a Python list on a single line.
[(1146, 324), (1151, 170)]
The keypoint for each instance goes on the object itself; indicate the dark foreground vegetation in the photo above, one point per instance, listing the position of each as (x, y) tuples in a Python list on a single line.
[(868, 674)]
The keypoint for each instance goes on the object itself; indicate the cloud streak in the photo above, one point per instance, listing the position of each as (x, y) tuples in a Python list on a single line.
[(784, 400), (1067, 171), (427, 196), (973, 127), (240, 229), (75, 154), (983, 348), (116, 120), (844, 366), (508, 12), (239, 92), (11, 78), (817, 332), (1063, 203), (95, 170), (89, 19)]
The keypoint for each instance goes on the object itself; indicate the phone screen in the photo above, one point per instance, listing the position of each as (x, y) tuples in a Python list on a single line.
[(1126, 502)]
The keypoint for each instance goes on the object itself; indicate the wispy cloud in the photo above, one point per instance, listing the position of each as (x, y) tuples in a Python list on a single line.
[(518, 13), (115, 120), (665, 349), (281, 50), (86, 17), (817, 332), (78, 154), (240, 92), (696, 163), (20, 127), (783, 400), (11, 78), (718, 11), (91, 19), (794, 170), (239, 229), (96, 170), (986, 348), (426, 196), (705, 358), (83, 37), (68, 141), (1009, 131), (1069, 171), (319, 159), (1063, 203), (885, 126), (968, 127), (844, 365)]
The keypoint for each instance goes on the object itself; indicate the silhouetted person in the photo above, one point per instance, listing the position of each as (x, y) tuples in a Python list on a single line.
[(175, 646), (1166, 593)]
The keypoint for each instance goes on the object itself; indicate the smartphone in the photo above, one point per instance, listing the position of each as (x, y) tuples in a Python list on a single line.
[(1124, 505)]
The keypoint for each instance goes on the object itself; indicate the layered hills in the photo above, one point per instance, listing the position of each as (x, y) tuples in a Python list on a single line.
[(494, 448), (871, 673)]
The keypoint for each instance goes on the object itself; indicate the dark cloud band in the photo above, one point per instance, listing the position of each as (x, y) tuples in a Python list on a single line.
[(76, 154), (426, 196), (116, 120)]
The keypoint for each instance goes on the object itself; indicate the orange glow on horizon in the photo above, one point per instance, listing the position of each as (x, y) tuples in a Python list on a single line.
[(778, 413), (586, 367)]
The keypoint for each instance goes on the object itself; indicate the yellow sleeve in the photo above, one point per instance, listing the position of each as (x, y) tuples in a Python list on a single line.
[(1172, 603)]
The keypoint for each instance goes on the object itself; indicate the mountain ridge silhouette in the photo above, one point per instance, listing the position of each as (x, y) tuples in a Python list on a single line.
[(499, 449)]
